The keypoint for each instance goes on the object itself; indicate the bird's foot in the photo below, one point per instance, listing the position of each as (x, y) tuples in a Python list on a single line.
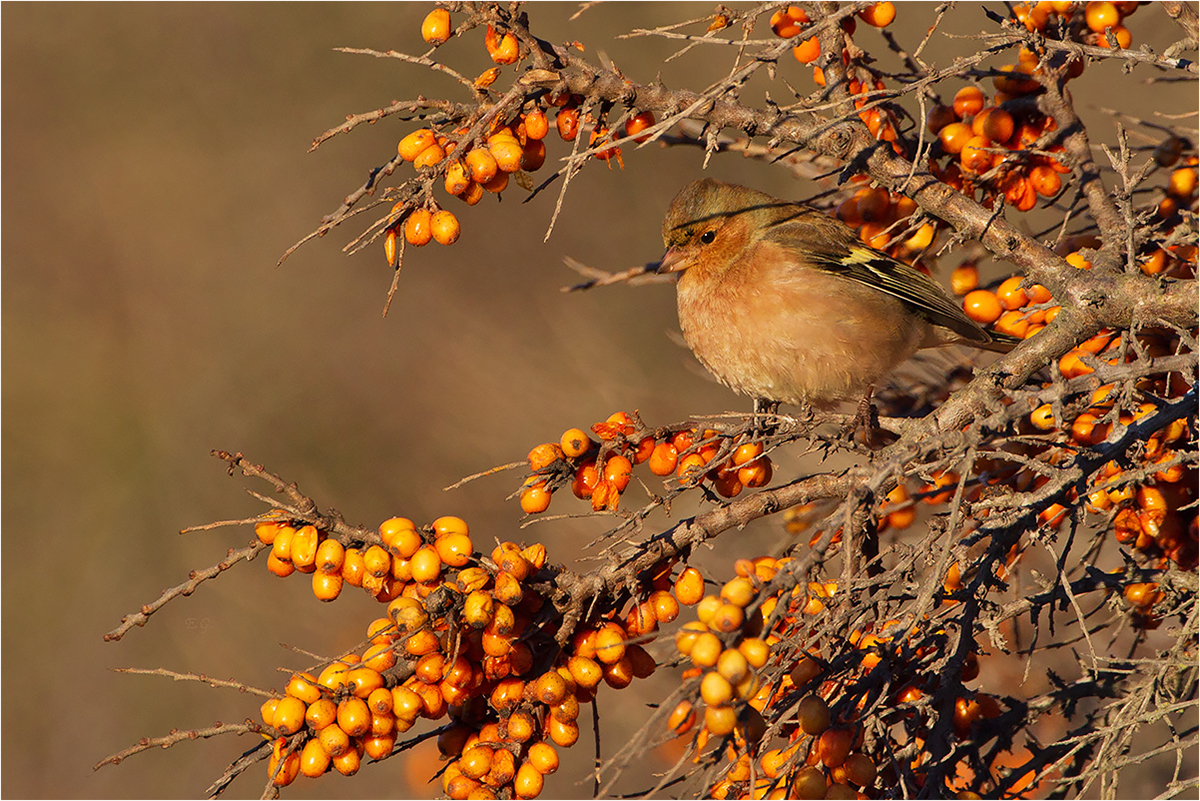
[(762, 422), (866, 422)]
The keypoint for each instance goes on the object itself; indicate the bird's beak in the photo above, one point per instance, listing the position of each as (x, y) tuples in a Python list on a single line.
[(673, 262)]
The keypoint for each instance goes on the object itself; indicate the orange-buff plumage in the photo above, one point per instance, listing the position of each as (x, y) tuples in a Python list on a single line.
[(784, 304)]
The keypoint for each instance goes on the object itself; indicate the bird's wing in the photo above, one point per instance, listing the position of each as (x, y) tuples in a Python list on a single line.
[(837, 250)]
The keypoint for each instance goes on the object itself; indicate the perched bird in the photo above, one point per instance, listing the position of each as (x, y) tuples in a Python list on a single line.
[(785, 304)]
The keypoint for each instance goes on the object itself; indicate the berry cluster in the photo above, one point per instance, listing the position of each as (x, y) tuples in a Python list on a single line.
[(1092, 27), (791, 21), (511, 147), (465, 637), (599, 471), (733, 645)]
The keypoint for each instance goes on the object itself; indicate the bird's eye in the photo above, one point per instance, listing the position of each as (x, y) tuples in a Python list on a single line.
[(708, 236)]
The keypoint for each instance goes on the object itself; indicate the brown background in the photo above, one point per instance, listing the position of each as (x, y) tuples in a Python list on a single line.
[(154, 170)]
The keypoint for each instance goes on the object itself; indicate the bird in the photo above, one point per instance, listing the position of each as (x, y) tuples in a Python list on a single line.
[(785, 304)]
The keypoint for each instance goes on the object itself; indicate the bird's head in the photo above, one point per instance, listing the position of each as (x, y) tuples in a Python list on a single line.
[(710, 222)]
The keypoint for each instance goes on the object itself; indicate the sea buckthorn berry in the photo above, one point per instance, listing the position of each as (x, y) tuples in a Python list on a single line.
[(289, 715), (638, 123), (757, 473), (689, 587), (715, 689), (807, 51), (720, 720), (415, 143), (454, 549), (834, 745), (313, 759), (682, 718), (1045, 181), (1010, 294), (327, 586), (738, 591), (266, 530), (982, 306), (727, 618), (334, 740), (879, 15), (280, 567), (755, 651), (330, 556), (283, 770), (567, 122), (435, 28), (1099, 16), (954, 137), (974, 155), (664, 605), (994, 123), (610, 643), (507, 153), (733, 666), (617, 472), (550, 688), (445, 227), (304, 548), (281, 548), (706, 650), (563, 733), (969, 101), (575, 443), (354, 717), (429, 156), (482, 165), (377, 561), (543, 757), (536, 124), (418, 227), (507, 51), (535, 498), (813, 714), (664, 459), (1182, 183), (964, 278), (787, 22)]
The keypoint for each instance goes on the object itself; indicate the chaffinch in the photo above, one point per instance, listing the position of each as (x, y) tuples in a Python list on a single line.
[(785, 304)]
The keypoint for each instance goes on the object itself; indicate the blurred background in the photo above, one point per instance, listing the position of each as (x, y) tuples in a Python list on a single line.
[(154, 171)]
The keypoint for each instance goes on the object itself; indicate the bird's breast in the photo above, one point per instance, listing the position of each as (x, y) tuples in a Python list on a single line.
[(794, 335)]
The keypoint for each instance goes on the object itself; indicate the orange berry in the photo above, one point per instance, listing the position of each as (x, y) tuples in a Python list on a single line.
[(689, 587), (536, 125), (1182, 183), (964, 278), (567, 122), (535, 498), (575, 443), (638, 123), (435, 29), (974, 155), (955, 136), (787, 22), (1099, 16), (982, 306), (418, 227), (807, 51), (314, 761), (429, 156), (327, 586), (445, 228), (879, 15), (508, 51), (528, 781), (994, 123), (482, 165), (454, 549), (426, 564), (415, 143), (617, 472), (1010, 294), (507, 153), (968, 101)]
